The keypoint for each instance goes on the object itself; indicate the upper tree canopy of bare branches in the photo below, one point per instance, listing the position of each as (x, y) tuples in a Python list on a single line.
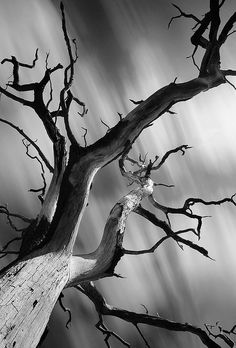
[(45, 263)]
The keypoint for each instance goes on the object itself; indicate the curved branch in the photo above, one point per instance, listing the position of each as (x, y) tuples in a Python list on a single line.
[(68, 81), (183, 14), (181, 148), (108, 333), (16, 239), (154, 247), (4, 210), (103, 260), (186, 209), (225, 31), (65, 309), (119, 137), (222, 334), (37, 148), (16, 64), (65, 110), (25, 65), (169, 232), (16, 98), (142, 318)]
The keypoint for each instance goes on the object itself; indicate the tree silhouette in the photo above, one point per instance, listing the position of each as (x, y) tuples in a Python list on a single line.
[(45, 263)]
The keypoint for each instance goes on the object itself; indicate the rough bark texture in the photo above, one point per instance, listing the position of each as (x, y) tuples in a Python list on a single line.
[(51, 268), (29, 291), (31, 285), (47, 273), (103, 260)]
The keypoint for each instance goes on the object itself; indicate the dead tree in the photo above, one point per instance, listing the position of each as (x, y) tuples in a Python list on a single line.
[(45, 264)]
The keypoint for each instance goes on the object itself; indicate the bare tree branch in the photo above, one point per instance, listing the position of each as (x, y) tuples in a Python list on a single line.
[(136, 102), (222, 334), (9, 215), (16, 239), (108, 333), (186, 209), (154, 247), (9, 252), (108, 127), (50, 83), (70, 68), (65, 111), (181, 148), (65, 309), (49, 239), (65, 102), (43, 188), (82, 105), (226, 29), (169, 232), (84, 136), (103, 308), (4, 210), (183, 14), (16, 66), (37, 148), (102, 262), (137, 175), (16, 98), (4, 252)]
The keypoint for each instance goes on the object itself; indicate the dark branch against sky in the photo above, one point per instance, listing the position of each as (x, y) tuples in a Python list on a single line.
[(129, 52)]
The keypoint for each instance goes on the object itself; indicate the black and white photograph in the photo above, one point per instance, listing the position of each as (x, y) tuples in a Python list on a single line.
[(117, 173)]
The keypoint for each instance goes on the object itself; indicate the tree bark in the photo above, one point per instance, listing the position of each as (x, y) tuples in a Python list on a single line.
[(29, 291), (31, 285), (51, 268)]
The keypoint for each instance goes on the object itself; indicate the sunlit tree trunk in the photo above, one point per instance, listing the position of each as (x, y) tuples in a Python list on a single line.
[(31, 285), (29, 291)]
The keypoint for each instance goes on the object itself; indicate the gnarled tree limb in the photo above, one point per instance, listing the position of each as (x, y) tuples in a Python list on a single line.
[(45, 266), (103, 308)]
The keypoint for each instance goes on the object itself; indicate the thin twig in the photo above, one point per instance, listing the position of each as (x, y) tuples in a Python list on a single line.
[(43, 188), (4, 210), (84, 136), (154, 247), (143, 337), (141, 318), (50, 83), (136, 102), (10, 242), (65, 309), (169, 232), (37, 148), (183, 14), (108, 128), (108, 333)]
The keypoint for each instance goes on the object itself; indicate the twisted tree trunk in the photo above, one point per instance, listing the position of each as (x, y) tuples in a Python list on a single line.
[(30, 286)]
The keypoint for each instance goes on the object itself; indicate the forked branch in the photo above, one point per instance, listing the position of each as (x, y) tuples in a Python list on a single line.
[(134, 318), (56, 226), (16, 65), (217, 331), (33, 143), (212, 43), (4, 210), (184, 14), (169, 232)]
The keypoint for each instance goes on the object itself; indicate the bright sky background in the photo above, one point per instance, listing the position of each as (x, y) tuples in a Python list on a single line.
[(126, 51)]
